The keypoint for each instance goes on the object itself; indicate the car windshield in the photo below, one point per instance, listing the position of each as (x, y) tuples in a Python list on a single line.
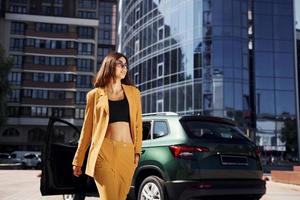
[(210, 130), (29, 156)]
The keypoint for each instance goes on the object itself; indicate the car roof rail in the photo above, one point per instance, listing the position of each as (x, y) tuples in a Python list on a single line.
[(160, 114)]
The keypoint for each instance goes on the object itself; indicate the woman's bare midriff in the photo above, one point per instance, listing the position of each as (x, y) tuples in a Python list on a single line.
[(119, 131)]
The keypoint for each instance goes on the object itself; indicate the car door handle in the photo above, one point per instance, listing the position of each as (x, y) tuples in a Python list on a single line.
[(143, 151)]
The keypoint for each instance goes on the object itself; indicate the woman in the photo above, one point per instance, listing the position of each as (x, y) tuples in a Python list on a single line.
[(112, 128)]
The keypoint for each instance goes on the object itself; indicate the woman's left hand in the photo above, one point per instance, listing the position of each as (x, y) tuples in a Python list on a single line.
[(136, 158)]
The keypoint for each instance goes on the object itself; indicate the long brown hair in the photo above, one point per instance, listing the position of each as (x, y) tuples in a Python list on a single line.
[(107, 70)]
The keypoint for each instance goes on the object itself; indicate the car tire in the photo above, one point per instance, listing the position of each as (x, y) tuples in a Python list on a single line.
[(152, 187), (73, 197)]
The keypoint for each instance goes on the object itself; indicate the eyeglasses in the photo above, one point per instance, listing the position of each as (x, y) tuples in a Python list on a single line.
[(123, 65)]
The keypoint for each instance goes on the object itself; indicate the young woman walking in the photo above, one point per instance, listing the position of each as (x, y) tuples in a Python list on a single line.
[(112, 128)]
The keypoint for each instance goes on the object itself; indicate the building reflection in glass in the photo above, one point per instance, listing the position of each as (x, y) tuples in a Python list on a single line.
[(230, 58)]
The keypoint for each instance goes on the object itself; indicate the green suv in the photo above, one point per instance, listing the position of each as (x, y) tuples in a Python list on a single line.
[(183, 157)]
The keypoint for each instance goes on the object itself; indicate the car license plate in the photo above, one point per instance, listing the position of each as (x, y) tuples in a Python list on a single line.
[(234, 160)]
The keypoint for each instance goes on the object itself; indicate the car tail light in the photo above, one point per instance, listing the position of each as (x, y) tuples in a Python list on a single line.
[(187, 152)]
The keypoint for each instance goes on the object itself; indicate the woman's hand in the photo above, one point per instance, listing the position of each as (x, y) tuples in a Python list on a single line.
[(77, 171), (136, 158)]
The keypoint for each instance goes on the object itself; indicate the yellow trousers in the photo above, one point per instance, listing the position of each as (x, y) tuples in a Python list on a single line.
[(114, 169)]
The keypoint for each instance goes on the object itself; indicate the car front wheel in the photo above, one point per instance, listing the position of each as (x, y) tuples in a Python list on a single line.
[(73, 197), (152, 188)]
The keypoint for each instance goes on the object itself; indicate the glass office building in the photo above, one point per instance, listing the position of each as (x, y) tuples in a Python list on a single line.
[(230, 58)]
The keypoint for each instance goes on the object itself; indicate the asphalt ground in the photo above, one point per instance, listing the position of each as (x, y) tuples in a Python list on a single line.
[(24, 185)]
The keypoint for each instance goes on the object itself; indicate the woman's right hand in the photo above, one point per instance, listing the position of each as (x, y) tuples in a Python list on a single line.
[(77, 171)]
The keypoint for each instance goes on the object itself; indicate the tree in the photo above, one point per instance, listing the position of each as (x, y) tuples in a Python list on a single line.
[(5, 67), (289, 135)]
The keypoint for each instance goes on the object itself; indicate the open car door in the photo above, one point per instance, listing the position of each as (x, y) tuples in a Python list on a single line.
[(57, 156)]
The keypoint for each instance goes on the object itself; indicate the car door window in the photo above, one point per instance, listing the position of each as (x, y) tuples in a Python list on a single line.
[(160, 129), (147, 130)]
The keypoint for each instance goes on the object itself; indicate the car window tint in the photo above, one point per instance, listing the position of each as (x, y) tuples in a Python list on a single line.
[(13, 155), (64, 134), (146, 130), (29, 156), (208, 130), (160, 129)]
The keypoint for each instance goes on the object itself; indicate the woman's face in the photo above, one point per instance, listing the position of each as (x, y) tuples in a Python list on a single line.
[(121, 68)]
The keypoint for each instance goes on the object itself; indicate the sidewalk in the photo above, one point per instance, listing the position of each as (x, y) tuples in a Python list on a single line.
[(24, 185)]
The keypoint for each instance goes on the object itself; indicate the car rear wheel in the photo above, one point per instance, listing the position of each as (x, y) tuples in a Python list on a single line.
[(73, 197), (152, 188)]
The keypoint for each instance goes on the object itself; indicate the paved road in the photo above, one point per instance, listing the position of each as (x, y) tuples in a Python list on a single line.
[(24, 185)]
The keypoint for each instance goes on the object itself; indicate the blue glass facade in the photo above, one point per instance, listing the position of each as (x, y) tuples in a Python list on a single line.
[(229, 58), (274, 72)]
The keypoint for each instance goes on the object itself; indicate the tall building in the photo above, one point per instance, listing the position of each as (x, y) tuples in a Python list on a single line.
[(230, 58), (56, 46)]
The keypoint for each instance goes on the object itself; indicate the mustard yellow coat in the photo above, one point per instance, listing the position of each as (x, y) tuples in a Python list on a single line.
[(96, 121)]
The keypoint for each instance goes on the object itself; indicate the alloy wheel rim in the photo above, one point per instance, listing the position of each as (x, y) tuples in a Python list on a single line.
[(150, 191)]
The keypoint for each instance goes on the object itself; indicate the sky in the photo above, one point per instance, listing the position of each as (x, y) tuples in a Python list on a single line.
[(297, 9)]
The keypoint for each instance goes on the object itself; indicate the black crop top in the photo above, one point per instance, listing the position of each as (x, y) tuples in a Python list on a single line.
[(118, 110)]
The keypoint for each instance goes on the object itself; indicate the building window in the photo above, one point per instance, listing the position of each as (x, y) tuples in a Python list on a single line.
[(160, 105), (105, 19), (89, 4), (107, 35), (55, 28), (17, 9), (102, 52), (136, 46), (17, 61), (38, 111), (46, 10), (58, 1), (27, 93), (60, 78), (56, 112), (30, 42), (160, 33), (53, 61), (16, 44), (58, 11), (85, 49), (85, 65), (83, 81), (40, 77), (137, 13), (39, 94), (14, 111), (57, 95), (160, 70), (80, 97), (17, 28), (136, 78), (11, 132), (14, 95), (14, 78), (85, 32), (79, 113), (87, 15)]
